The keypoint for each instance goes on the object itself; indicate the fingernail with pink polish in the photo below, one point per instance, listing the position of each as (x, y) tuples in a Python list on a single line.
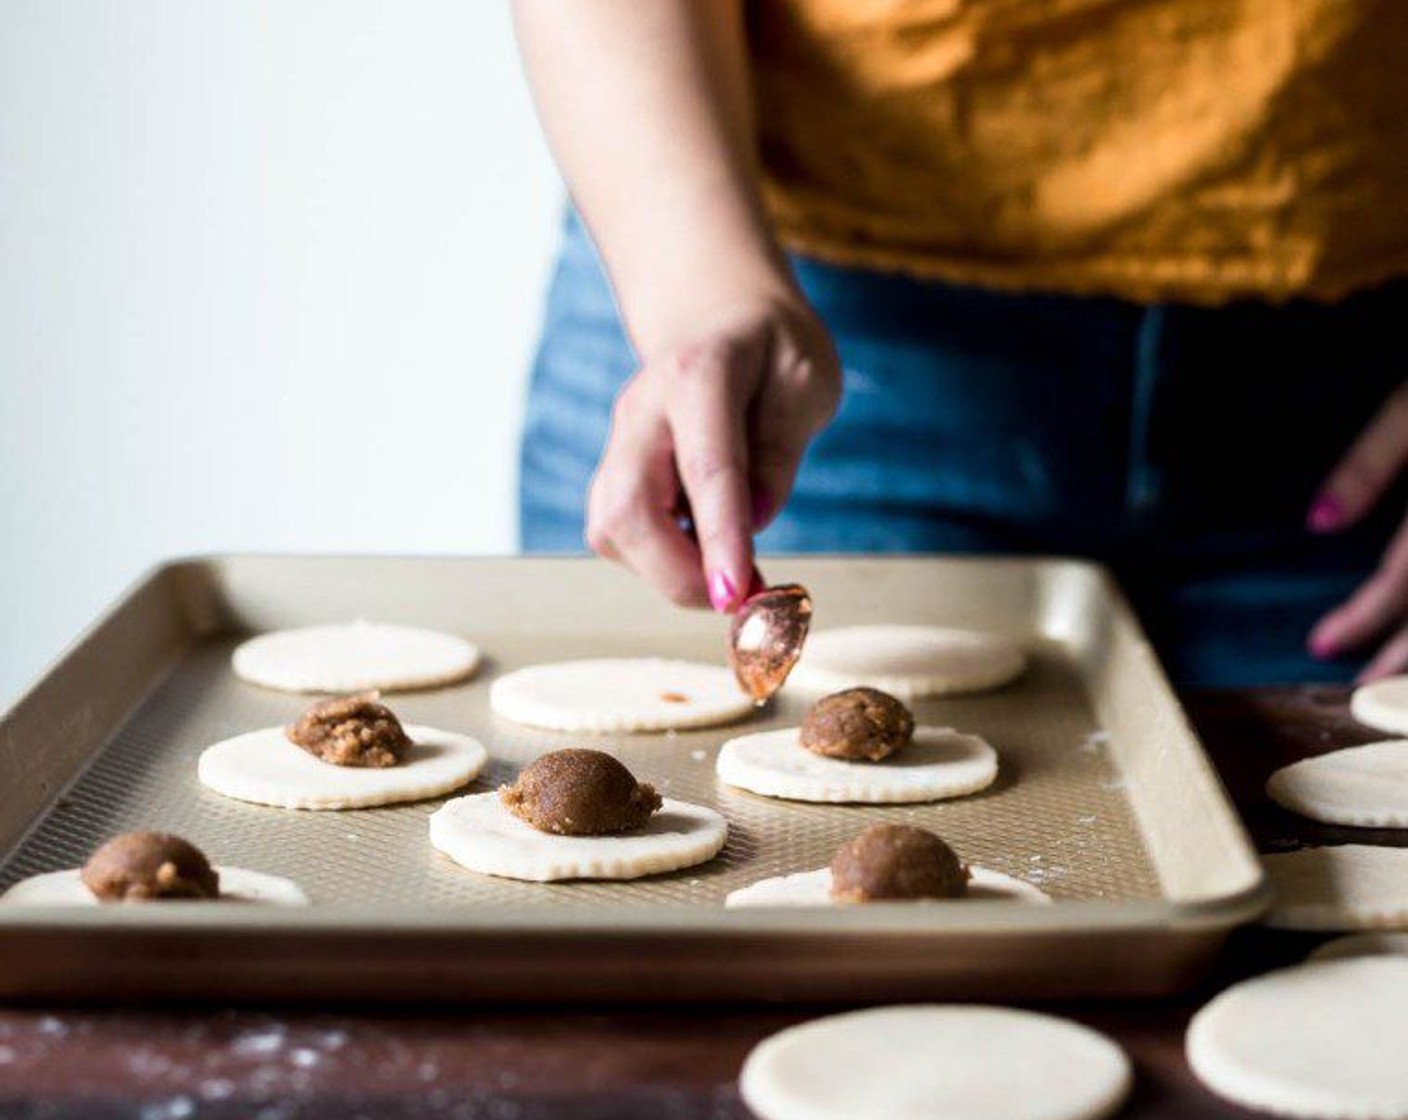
[(1326, 515), (722, 592), (1323, 648)]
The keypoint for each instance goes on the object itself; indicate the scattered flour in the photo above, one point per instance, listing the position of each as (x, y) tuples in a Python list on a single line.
[(176, 1108)]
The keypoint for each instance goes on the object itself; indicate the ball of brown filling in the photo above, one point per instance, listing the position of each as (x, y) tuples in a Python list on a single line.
[(145, 866), (894, 861), (578, 792), (859, 723), (352, 731)]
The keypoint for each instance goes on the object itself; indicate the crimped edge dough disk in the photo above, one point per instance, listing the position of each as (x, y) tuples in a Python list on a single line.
[(1382, 705), (1351, 886), (480, 834), (939, 763), (1379, 943), (263, 767), (354, 657), (937, 1060), (909, 662), (1325, 1040), (813, 888), (65, 888), (623, 694), (1363, 786)]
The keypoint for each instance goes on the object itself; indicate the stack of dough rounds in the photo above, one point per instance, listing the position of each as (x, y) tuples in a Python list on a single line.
[(1361, 786), (265, 768), (620, 694), (66, 888), (908, 662), (354, 657), (1352, 886), (938, 763), (813, 888), (1327, 1040), (1382, 705), (973, 1062), (478, 832)]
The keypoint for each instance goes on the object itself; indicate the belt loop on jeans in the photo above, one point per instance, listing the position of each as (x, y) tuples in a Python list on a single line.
[(1142, 482)]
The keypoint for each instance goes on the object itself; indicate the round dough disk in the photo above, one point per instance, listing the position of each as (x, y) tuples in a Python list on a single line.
[(479, 833), (939, 763), (942, 1061), (1382, 705), (620, 694), (1322, 1040), (65, 888), (813, 888), (908, 662), (265, 768), (1351, 886), (354, 657), (1364, 786), (1362, 945)]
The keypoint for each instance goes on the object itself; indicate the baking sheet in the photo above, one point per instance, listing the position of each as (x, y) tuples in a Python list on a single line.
[(1086, 739)]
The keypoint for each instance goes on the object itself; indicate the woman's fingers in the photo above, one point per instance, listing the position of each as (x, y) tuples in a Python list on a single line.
[(1392, 658), (630, 508), (1367, 469), (706, 402), (1379, 603), (711, 432), (795, 403)]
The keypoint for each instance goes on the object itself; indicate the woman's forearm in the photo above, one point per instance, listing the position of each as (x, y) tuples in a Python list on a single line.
[(647, 108)]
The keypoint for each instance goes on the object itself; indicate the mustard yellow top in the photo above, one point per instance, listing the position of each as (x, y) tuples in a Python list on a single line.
[(1197, 150)]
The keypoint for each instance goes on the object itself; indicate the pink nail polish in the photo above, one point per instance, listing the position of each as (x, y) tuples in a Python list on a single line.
[(1326, 515), (722, 592), (1322, 648)]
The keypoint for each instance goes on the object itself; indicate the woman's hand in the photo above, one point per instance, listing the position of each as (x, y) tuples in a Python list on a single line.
[(711, 429), (1379, 608)]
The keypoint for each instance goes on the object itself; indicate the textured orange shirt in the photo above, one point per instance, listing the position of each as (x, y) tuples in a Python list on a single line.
[(1195, 150)]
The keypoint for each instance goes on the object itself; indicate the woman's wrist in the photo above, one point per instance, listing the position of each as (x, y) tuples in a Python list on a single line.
[(692, 294), (693, 260)]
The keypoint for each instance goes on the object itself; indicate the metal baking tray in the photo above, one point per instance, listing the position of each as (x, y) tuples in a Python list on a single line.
[(1105, 799)]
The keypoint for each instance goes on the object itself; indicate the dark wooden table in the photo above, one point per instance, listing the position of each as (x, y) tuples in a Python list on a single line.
[(612, 1064)]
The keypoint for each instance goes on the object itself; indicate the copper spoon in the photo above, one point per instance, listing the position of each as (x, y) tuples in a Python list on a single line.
[(766, 638)]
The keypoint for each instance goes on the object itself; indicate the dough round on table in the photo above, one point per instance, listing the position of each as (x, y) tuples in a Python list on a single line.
[(265, 768), (908, 662), (1362, 945), (1363, 786), (1325, 1040), (1352, 886), (478, 832), (938, 763), (1382, 705), (620, 694), (354, 657), (813, 888), (65, 888), (948, 1062)]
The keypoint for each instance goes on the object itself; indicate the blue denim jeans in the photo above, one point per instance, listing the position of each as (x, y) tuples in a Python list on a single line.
[(1179, 445)]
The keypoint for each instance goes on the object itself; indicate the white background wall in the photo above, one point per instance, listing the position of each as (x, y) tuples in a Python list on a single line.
[(270, 274)]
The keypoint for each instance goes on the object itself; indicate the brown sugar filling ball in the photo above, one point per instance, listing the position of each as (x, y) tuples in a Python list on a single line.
[(859, 723), (352, 731), (146, 866), (896, 861), (578, 792)]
